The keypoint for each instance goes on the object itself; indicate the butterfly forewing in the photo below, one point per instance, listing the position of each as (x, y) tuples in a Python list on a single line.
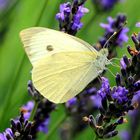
[(37, 40)]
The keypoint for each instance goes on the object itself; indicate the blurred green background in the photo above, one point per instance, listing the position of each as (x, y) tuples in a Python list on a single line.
[(15, 67)]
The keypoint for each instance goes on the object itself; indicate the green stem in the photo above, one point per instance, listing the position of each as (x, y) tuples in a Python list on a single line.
[(33, 111), (51, 132)]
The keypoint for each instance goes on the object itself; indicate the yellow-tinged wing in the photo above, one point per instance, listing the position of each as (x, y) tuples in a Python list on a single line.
[(39, 42), (63, 65), (63, 75)]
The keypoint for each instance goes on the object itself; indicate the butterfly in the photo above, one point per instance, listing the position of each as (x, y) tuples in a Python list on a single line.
[(63, 65)]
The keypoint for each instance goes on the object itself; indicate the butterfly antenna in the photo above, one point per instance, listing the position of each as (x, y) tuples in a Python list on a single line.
[(118, 59), (113, 63), (106, 43), (114, 34), (111, 72)]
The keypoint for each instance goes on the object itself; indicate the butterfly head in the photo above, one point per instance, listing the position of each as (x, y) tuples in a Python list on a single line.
[(102, 60), (103, 52)]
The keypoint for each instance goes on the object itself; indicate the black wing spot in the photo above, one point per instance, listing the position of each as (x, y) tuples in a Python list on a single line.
[(49, 48)]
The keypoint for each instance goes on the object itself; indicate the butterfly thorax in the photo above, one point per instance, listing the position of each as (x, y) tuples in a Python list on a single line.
[(101, 60)]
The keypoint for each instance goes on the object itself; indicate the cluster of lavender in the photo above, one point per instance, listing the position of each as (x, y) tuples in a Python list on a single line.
[(133, 124), (70, 16), (105, 5), (41, 116), (114, 25), (79, 106), (21, 128), (134, 116), (117, 101)]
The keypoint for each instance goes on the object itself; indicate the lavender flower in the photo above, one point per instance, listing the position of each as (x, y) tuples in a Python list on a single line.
[(134, 117), (20, 129), (3, 4), (65, 10), (41, 117), (122, 63), (70, 15), (132, 67), (71, 102), (27, 109), (78, 107), (125, 135), (8, 134), (105, 88), (138, 24), (105, 5), (118, 101), (120, 94), (115, 104), (43, 127), (115, 25), (44, 108), (96, 101)]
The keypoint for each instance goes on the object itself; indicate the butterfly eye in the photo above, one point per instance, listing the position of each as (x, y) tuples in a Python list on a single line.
[(49, 48)]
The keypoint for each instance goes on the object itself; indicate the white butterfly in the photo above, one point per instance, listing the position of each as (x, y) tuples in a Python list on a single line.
[(63, 65)]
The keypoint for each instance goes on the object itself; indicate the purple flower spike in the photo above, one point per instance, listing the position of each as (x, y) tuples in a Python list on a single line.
[(65, 9), (44, 126), (3, 3), (123, 64), (105, 88), (108, 27), (80, 13), (138, 24), (120, 94), (115, 25), (105, 5), (70, 16), (2, 136), (125, 135), (122, 36), (9, 132), (28, 109), (105, 83), (71, 102), (96, 99)]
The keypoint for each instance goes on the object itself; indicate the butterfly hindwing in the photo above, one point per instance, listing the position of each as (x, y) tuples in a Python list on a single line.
[(60, 79)]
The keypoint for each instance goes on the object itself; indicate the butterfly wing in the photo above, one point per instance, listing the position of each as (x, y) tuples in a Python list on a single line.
[(62, 76), (37, 39), (63, 70)]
